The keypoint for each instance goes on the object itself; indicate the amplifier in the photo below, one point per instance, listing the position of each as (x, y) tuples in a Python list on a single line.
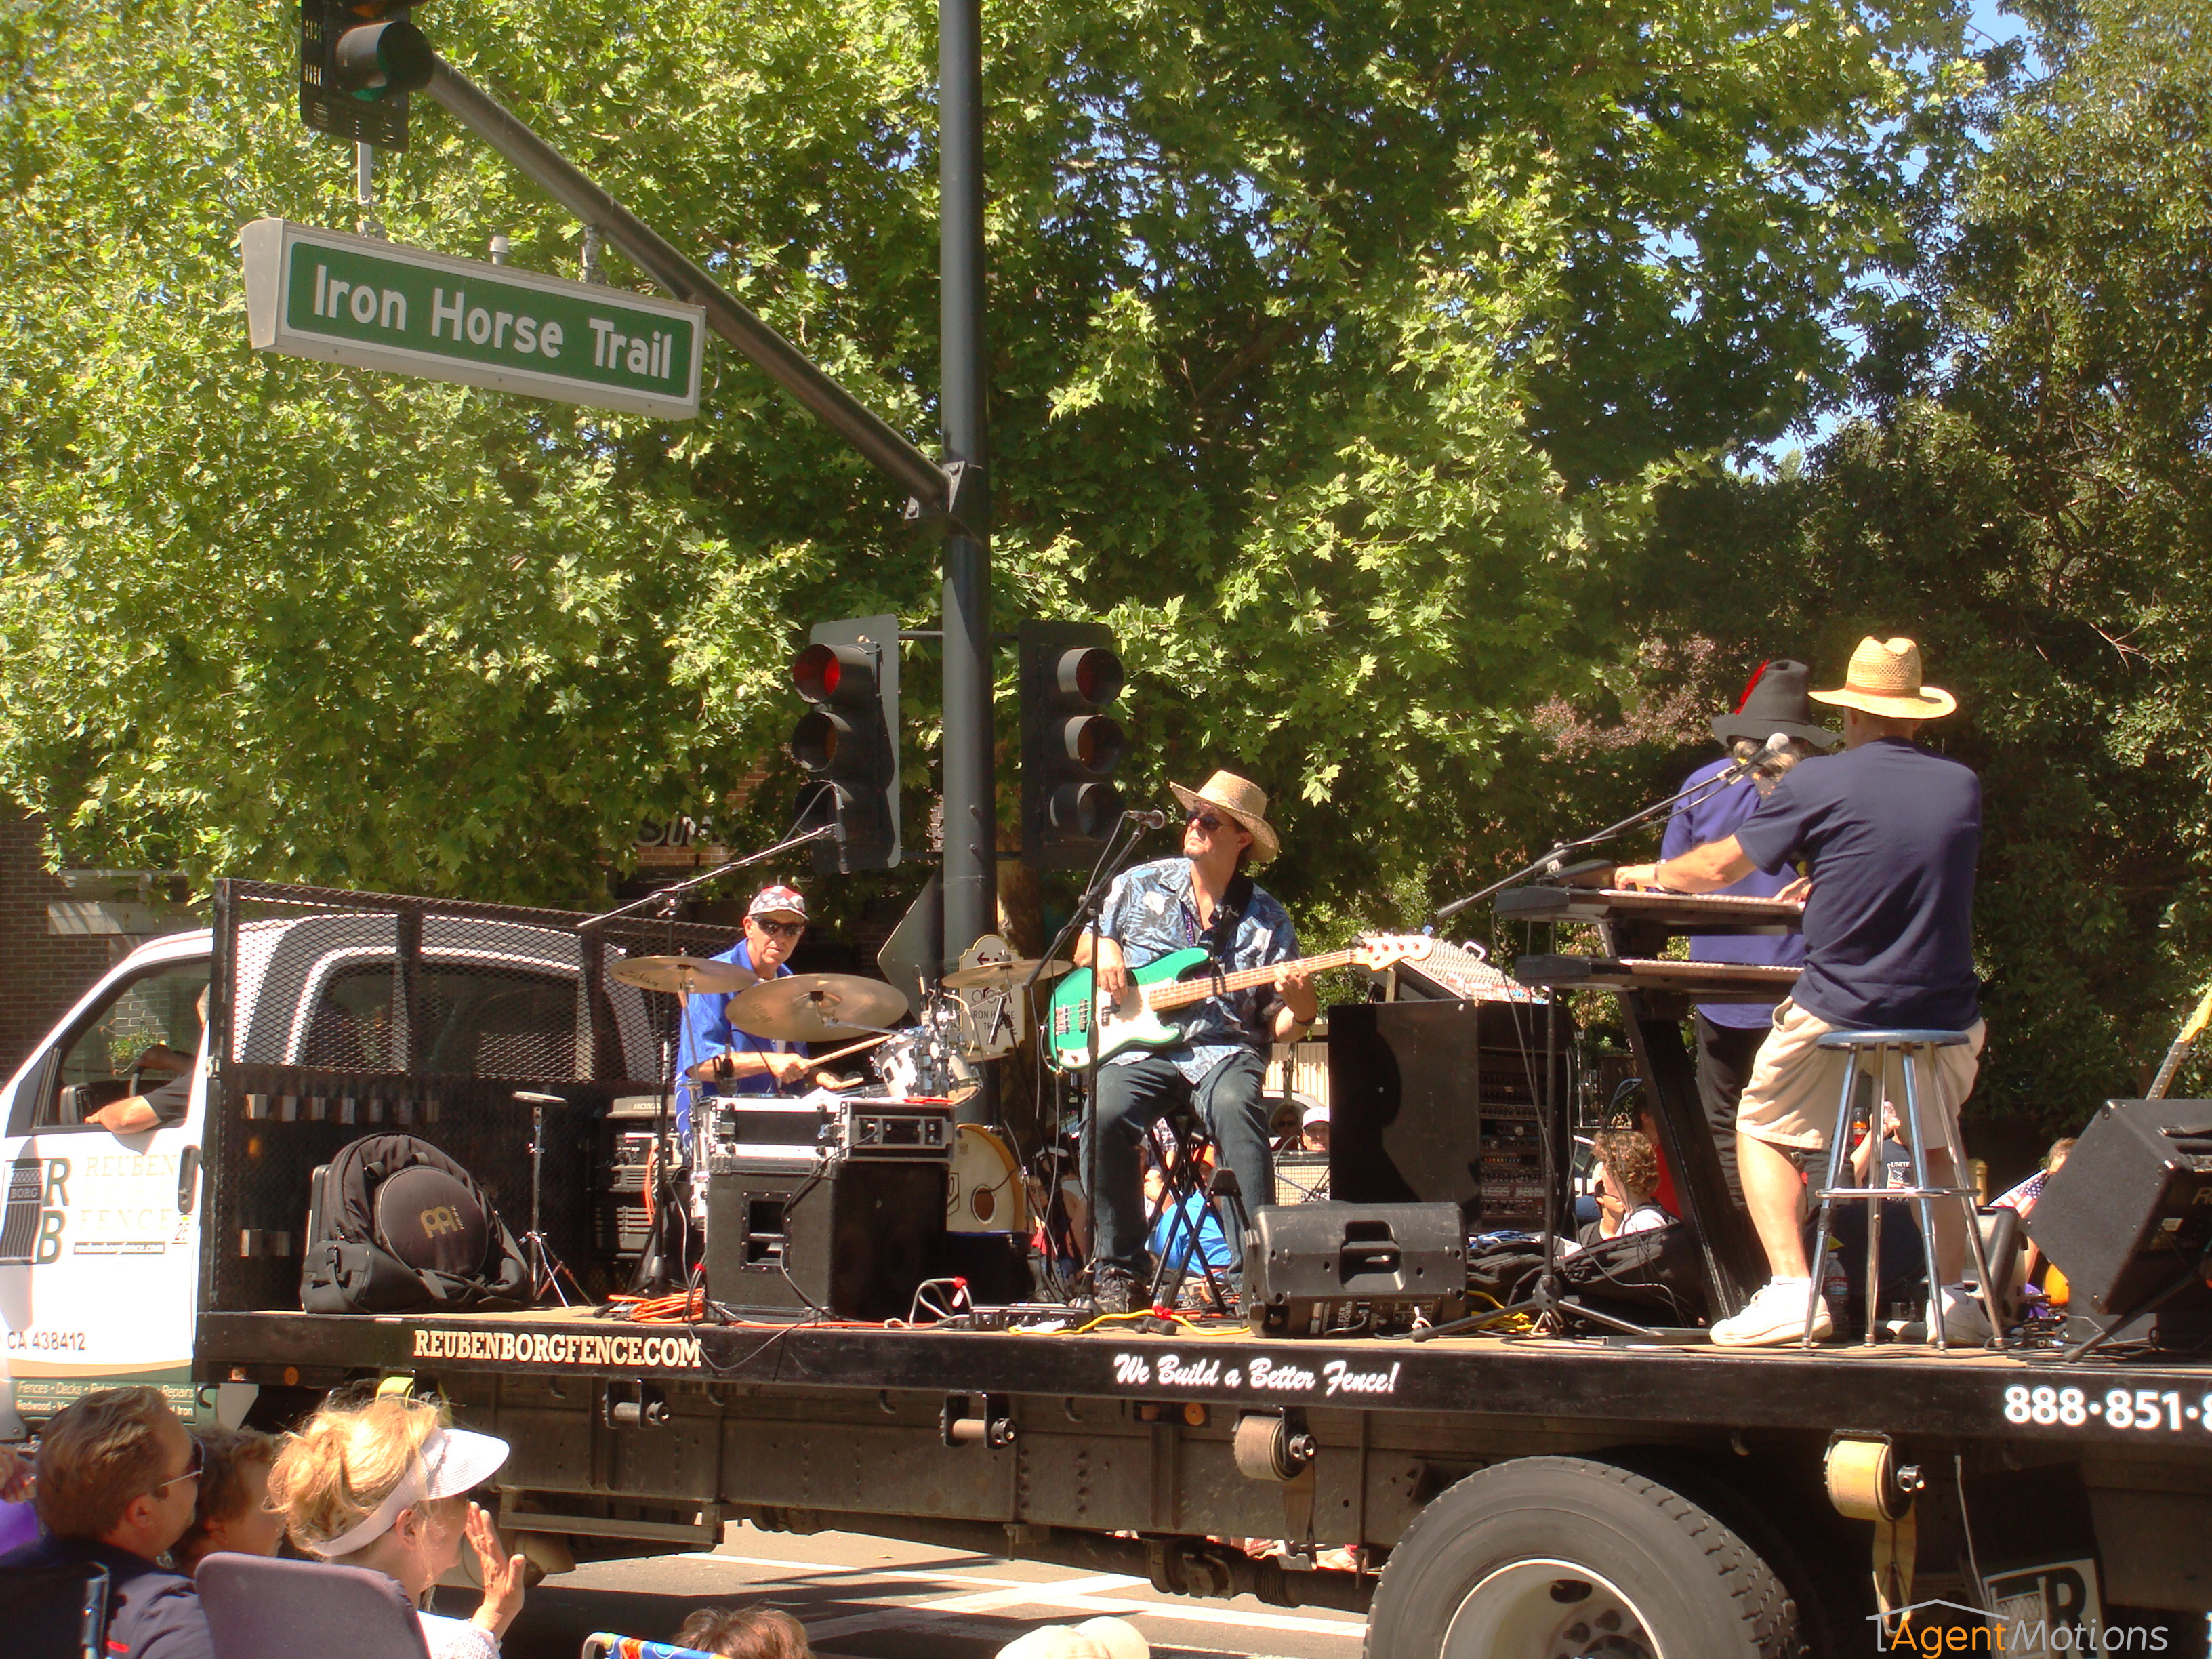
[(2129, 1213), (796, 1131), (853, 1236), (1323, 1268), (1437, 1100)]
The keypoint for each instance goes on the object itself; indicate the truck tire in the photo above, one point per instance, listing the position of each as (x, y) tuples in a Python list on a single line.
[(1559, 1557)]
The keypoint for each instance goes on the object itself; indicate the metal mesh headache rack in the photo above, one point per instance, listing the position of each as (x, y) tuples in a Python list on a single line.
[(338, 1014)]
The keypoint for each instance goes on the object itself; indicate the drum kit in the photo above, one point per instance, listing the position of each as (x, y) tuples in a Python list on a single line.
[(933, 1059)]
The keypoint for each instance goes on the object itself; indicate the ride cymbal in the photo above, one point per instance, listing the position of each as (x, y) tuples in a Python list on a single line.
[(816, 1007)]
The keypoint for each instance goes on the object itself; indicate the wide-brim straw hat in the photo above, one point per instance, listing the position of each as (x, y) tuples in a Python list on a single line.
[(1884, 678), (1243, 801)]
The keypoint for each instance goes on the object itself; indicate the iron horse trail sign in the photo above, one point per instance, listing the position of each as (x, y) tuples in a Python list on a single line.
[(342, 299)]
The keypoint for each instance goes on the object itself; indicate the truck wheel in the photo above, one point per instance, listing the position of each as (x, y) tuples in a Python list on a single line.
[(1560, 1558)]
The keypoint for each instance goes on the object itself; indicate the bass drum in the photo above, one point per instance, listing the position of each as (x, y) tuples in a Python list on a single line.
[(985, 1194)]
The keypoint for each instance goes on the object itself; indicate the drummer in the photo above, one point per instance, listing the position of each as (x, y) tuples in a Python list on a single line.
[(728, 1060)]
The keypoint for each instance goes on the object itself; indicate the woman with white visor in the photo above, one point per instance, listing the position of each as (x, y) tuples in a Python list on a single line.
[(385, 1486)]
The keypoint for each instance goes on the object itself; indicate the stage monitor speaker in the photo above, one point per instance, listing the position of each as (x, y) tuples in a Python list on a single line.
[(1441, 1100), (1325, 1269), (2127, 1214), (855, 1241)]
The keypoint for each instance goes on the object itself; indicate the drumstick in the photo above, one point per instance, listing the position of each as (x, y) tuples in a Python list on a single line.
[(822, 1060)]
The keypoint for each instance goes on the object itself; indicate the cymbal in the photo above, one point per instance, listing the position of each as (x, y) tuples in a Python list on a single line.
[(816, 1007), (997, 976), (677, 974)]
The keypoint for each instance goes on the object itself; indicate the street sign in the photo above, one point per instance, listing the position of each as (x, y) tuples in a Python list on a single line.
[(341, 299)]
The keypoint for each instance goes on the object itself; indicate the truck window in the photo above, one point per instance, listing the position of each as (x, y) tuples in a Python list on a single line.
[(474, 1022), (129, 1047)]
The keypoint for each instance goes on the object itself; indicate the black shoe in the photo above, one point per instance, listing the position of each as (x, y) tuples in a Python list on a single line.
[(1116, 1290)]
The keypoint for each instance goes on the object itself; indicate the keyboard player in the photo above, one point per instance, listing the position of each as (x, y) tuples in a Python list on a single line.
[(1890, 832), (1777, 700)]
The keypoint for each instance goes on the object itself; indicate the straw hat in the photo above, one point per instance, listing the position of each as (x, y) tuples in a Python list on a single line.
[(1884, 678), (1053, 1642), (1243, 801)]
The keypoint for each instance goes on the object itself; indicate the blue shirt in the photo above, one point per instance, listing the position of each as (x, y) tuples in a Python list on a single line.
[(152, 1614), (1890, 832), (1149, 913), (1199, 1217), (1716, 817), (708, 1032)]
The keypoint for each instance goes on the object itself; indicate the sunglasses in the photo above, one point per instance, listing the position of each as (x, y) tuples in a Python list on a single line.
[(1206, 821), (197, 1467), (779, 929)]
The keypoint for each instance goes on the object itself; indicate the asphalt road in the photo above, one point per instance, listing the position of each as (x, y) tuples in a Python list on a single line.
[(876, 1598)]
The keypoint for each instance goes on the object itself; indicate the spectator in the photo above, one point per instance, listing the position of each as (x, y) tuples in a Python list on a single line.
[(1313, 1136), (1627, 1175), (385, 1486), (746, 1634), (117, 1474), (1094, 1638), (233, 1512)]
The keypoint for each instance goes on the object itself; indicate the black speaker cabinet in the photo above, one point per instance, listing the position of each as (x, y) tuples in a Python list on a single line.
[(854, 1242), (1436, 1101), (2129, 1211), (1317, 1268)]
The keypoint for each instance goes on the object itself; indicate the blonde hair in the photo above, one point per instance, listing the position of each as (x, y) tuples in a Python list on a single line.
[(332, 1473)]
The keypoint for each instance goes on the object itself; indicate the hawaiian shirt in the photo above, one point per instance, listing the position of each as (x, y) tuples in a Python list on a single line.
[(1149, 913)]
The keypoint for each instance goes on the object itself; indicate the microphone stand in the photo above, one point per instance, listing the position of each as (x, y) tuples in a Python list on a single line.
[(1111, 862), (1550, 862), (1548, 1302)]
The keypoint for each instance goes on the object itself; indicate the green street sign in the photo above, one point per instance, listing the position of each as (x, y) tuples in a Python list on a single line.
[(341, 299)]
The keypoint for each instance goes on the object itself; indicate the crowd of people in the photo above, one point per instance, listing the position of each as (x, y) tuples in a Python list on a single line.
[(120, 1481)]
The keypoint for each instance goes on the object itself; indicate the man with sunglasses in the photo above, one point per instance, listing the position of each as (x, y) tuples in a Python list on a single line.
[(1204, 898), (118, 1482), (713, 1053)]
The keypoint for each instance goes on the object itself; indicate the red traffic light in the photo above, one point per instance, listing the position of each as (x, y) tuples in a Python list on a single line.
[(834, 673), (1090, 674)]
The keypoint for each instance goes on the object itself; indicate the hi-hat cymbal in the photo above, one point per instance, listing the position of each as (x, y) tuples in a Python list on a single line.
[(996, 975), (677, 974), (816, 1007)]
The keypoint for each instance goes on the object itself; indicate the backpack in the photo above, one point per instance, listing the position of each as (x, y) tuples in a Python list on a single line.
[(1633, 1276), (396, 1226)]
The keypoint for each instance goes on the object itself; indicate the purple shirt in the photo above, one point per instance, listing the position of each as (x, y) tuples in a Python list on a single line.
[(1716, 818)]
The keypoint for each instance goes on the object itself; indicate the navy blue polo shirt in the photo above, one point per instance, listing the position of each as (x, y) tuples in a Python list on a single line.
[(152, 1614), (1890, 833), (1716, 817)]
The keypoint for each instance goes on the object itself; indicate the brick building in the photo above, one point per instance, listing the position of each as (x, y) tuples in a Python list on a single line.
[(42, 971)]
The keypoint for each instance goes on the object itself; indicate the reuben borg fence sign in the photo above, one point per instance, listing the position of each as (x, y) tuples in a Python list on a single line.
[(342, 299)]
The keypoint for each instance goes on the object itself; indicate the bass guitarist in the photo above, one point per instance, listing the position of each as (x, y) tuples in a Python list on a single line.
[(1203, 899)]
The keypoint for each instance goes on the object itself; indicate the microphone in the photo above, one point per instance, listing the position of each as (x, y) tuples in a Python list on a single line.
[(1150, 818), (1775, 746)]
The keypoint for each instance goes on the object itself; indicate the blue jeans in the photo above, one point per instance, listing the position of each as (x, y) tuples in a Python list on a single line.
[(1131, 1099)]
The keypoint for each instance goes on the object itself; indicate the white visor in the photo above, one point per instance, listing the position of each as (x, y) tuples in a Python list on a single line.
[(453, 1461)]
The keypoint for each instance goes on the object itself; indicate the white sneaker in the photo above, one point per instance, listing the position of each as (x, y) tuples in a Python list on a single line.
[(1776, 1316), (1964, 1319)]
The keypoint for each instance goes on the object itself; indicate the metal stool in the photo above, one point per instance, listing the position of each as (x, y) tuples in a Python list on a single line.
[(1913, 1049)]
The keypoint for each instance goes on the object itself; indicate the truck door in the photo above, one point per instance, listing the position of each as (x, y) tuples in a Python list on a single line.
[(100, 1238)]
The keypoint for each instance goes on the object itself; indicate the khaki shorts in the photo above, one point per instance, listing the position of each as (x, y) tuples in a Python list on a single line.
[(1792, 1097)]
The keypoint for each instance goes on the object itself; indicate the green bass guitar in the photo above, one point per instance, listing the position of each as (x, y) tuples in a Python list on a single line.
[(1133, 1019)]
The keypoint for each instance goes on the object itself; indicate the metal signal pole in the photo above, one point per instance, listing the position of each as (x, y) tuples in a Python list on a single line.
[(970, 811)]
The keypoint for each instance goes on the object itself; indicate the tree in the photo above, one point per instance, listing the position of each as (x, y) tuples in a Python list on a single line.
[(1337, 350), (2035, 504)]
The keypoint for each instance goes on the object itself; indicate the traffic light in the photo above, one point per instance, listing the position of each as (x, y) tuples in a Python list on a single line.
[(1069, 674), (848, 741), (358, 61)]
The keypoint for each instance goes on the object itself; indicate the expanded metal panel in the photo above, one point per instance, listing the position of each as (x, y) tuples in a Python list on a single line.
[(340, 1015)]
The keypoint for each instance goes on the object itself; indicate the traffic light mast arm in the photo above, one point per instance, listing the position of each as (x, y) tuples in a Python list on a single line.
[(936, 491)]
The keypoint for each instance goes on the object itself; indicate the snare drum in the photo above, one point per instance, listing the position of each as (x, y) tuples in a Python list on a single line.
[(924, 1062)]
